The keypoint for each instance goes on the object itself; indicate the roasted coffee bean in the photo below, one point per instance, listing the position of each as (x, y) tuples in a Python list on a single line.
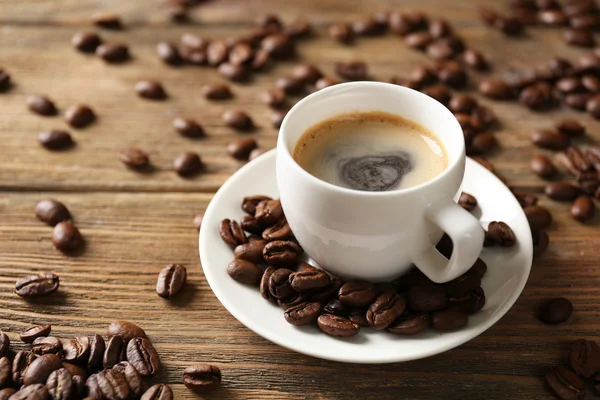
[(113, 52), (245, 272), (298, 28), (510, 26), (495, 89), (502, 234), (277, 118), (66, 237), (115, 352), (465, 283), (401, 23), (461, 103), (274, 97), (112, 385), (475, 60), (279, 285), (41, 105), (337, 326), (556, 311), (5, 82), (264, 284), (482, 118), (482, 143), (216, 53), (352, 70), (584, 357), (452, 74), (280, 231), (160, 391), (467, 201), (550, 140), (536, 96), (281, 252), (188, 127), (569, 84), (561, 191), (34, 332), (368, 27), (251, 224), (593, 106), (543, 167), (385, 309), (31, 392), (560, 66), (541, 240), (216, 91), (565, 384), (6, 371), (132, 377), (359, 317), (424, 76), (303, 314), (525, 199), (237, 119), (232, 233), (4, 344), (47, 345), (439, 92), (341, 32), (134, 158), (171, 280), (290, 85), (202, 378), (539, 218), (469, 303), (579, 37), (41, 284), (249, 203), (293, 300), (76, 370), (409, 324), (261, 60), (40, 368), (6, 393), (448, 320), (241, 148), (241, 54), (107, 20), (418, 40), (583, 209), (309, 279), (307, 73), (55, 139), (168, 53), (328, 292), (552, 17), (86, 42), (20, 363), (97, 349), (187, 164), (143, 356), (152, 90), (579, 162), (427, 298), (278, 46), (357, 293), (77, 350), (60, 385), (80, 116), (234, 72), (335, 306), (439, 50)]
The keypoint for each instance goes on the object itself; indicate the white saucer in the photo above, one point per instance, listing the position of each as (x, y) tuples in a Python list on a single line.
[(507, 274)]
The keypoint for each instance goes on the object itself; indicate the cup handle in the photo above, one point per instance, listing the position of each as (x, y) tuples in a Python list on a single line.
[(467, 237)]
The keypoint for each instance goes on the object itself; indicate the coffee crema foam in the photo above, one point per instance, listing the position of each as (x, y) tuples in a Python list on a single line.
[(370, 151)]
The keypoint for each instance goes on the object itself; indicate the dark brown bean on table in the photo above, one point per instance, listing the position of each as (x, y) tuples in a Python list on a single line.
[(541, 240), (4, 344), (274, 97), (418, 40), (115, 351), (565, 384), (583, 209), (134, 158), (352, 70), (579, 162), (452, 74), (40, 368), (20, 363), (495, 89), (328, 292), (241, 148), (168, 53), (336, 307), (143, 356), (561, 191), (467, 201), (461, 103), (551, 140), (250, 251), (579, 37), (556, 311), (37, 285), (280, 231), (232, 233), (132, 377), (6, 393), (238, 120), (171, 280), (279, 285), (264, 285), (188, 127), (60, 384), (47, 345), (55, 139), (113, 52), (80, 116), (290, 85), (5, 372), (277, 118), (307, 73), (41, 105), (86, 42), (537, 96), (160, 391), (202, 378), (249, 203), (543, 167), (149, 89), (448, 320), (216, 91), (107, 20), (187, 164), (385, 309), (337, 326), (584, 357), (234, 72), (278, 46), (309, 279), (125, 329), (245, 272), (341, 32), (357, 294), (410, 324), (427, 298), (303, 314), (66, 237), (97, 349), (31, 392), (282, 252), (5, 82)]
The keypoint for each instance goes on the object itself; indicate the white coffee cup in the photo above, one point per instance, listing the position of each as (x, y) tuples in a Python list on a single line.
[(377, 236)]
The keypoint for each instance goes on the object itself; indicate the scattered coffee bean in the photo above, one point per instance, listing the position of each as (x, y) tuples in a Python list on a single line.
[(341, 32), (55, 139), (357, 294), (584, 357), (241, 148), (309, 279), (115, 351), (187, 164), (307, 73), (143, 356), (325, 82), (264, 285), (303, 314), (583, 209), (495, 89), (234, 72), (279, 285), (475, 60), (125, 329), (20, 363), (34, 392), (385, 309), (337, 326), (97, 349), (251, 251), (107, 20), (51, 212), (66, 237), (168, 53), (238, 120), (278, 46), (539, 217), (6, 393), (40, 368), (171, 280), (232, 233), (359, 317), (328, 292), (448, 320), (132, 377), (5, 82), (452, 74), (202, 378), (501, 234), (111, 383), (550, 140), (461, 103), (217, 91), (86, 42), (556, 311), (41, 105), (113, 52), (467, 201), (543, 167), (80, 116), (336, 307), (537, 96), (41, 284), (352, 70), (249, 204), (188, 127), (245, 272), (77, 350), (482, 143), (579, 37), (280, 231), (160, 391), (274, 97), (440, 92), (569, 85), (565, 384), (427, 298), (418, 40), (277, 118), (134, 158), (281, 252), (150, 90), (541, 240), (290, 85), (4, 344), (47, 345)]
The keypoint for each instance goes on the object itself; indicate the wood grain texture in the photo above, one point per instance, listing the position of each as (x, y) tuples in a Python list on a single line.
[(134, 223)]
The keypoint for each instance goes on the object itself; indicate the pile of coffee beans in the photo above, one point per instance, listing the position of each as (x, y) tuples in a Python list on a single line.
[(271, 259), (65, 236), (584, 362)]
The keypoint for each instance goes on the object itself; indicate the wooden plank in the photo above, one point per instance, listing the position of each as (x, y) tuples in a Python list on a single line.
[(130, 237)]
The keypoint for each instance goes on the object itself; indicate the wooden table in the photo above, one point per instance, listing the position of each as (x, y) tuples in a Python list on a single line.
[(134, 223)]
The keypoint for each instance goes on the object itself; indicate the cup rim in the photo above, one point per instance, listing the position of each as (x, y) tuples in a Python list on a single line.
[(283, 150)]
